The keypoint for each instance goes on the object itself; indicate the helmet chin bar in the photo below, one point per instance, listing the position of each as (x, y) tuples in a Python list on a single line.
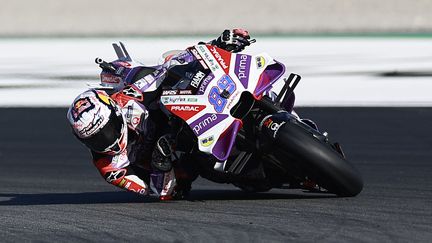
[(119, 144)]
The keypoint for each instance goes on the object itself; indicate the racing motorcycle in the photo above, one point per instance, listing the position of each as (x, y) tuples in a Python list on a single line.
[(235, 129)]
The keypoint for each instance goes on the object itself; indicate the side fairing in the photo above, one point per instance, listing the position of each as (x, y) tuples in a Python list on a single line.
[(206, 109)]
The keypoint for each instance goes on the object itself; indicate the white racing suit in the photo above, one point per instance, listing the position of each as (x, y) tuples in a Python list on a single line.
[(131, 169)]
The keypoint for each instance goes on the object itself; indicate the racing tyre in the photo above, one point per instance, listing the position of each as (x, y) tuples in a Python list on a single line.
[(315, 155)]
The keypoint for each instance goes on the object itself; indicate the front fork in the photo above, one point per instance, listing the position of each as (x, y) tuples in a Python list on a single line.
[(269, 127), (271, 124)]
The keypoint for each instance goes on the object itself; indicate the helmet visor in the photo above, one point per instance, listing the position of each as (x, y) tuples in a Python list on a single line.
[(108, 137)]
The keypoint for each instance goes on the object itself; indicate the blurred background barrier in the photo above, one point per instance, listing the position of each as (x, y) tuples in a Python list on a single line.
[(40, 72), (385, 70), (144, 17)]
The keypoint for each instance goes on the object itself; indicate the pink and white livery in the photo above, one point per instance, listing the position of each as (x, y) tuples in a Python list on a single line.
[(226, 123), (227, 101)]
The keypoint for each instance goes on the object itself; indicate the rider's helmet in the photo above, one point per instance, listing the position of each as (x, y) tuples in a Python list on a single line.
[(97, 121)]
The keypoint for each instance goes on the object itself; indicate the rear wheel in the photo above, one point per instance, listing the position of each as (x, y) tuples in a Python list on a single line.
[(317, 159)]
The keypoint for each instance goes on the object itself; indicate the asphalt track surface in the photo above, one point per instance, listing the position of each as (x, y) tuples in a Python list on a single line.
[(51, 192)]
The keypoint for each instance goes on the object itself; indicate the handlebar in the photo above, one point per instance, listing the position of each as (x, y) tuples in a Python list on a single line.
[(105, 65)]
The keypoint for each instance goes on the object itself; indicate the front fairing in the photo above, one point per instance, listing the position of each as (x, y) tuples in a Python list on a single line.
[(206, 91)]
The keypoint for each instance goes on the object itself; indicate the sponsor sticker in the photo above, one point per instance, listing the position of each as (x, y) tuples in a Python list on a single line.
[(170, 92), (197, 78), (242, 67), (93, 126), (177, 92), (203, 64), (185, 92), (81, 105), (274, 126), (114, 175), (191, 99), (207, 121), (208, 58), (223, 59), (207, 141), (185, 108), (232, 98), (205, 83), (260, 62), (172, 100), (131, 92), (185, 111), (110, 78), (140, 84), (196, 54)]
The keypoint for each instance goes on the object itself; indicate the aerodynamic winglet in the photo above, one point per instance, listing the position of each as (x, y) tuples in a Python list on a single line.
[(128, 58), (118, 51)]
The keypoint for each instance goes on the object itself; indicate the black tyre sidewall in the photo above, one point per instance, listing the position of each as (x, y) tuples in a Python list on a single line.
[(322, 163)]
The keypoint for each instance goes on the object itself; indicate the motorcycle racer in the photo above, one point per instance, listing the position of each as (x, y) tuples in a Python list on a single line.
[(126, 133)]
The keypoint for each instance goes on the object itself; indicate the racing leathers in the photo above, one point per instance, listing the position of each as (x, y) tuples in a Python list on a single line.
[(131, 168)]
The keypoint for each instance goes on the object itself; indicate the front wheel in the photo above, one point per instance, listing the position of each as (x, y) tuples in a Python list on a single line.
[(317, 159)]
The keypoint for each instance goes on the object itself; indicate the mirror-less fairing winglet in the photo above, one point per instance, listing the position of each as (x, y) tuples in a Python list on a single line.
[(121, 52), (128, 58), (288, 89)]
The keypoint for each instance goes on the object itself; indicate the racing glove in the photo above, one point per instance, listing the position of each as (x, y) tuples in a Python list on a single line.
[(161, 156), (233, 40)]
